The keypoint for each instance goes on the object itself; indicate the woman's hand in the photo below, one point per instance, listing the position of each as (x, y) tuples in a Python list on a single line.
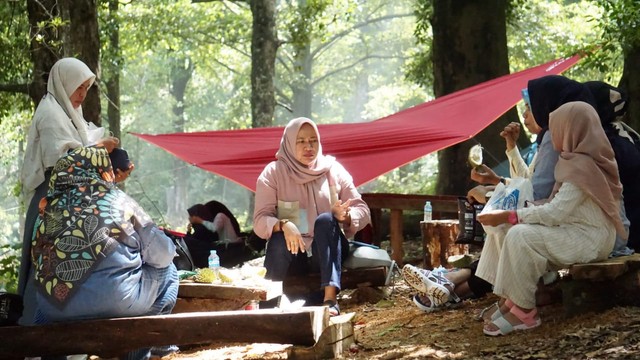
[(340, 210), (109, 143), (494, 218), (510, 134), (292, 237), (123, 175), (478, 195), (485, 175)]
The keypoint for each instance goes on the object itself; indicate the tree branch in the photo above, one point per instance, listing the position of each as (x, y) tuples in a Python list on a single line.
[(15, 88), (346, 67), (354, 27)]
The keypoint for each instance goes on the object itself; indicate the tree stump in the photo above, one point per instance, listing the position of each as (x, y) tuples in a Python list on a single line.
[(438, 242)]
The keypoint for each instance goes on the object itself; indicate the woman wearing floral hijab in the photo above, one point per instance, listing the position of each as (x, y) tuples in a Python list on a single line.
[(57, 126), (578, 224), (96, 253), (302, 201)]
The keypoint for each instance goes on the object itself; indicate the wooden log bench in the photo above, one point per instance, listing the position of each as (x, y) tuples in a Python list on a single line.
[(444, 207), (601, 285), (195, 297), (309, 327)]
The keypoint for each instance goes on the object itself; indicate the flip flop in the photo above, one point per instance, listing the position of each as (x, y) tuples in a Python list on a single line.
[(334, 308), (430, 308)]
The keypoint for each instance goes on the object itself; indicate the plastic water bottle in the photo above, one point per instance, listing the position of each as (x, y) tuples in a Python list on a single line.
[(214, 262), (427, 211)]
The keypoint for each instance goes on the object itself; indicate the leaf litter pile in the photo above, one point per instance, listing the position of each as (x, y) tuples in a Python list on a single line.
[(389, 326)]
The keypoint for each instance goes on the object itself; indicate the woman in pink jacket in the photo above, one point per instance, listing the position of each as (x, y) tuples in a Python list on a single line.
[(307, 206)]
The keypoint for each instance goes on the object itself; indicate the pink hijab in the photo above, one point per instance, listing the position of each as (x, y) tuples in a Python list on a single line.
[(586, 158), (296, 171)]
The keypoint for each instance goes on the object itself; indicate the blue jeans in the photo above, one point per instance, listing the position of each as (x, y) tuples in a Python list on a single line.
[(327, 246)]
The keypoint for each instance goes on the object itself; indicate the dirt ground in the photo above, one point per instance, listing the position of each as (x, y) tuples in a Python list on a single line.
[(394, 328)]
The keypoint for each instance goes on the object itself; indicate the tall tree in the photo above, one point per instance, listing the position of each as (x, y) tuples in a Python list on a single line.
[(46, 46), (264, 45), (181, 72), (65, 28), (112, 60), (469, 47), (620, 32)]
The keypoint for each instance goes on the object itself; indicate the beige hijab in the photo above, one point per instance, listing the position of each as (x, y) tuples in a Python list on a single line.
[(586, 158), (296, 171)]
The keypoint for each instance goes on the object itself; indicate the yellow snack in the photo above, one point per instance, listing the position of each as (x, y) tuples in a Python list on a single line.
[(205, 275)]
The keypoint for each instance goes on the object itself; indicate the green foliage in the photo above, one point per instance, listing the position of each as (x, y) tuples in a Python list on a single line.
[(418, 177)]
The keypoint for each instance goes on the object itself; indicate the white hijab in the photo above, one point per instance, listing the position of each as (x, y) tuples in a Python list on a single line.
[(56, 126), (66, 76)]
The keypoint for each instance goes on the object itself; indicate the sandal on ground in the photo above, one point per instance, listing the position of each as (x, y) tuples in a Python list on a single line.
[(528, 321), (493, 311), (429, 308), (334, 309)]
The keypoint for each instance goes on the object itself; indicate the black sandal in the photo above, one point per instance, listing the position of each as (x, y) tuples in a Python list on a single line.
[(334, 309)]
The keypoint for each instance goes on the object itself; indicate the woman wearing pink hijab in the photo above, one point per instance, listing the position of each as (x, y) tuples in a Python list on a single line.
[(307, 206)]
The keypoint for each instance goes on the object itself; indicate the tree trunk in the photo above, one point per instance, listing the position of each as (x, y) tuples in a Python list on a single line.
[(45, 44), (630, 81), (181, 73), (469, 47), (112, 70), (82, 41), (264, 45)]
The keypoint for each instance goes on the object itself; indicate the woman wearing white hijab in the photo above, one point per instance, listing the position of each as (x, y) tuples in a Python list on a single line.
[(57, 127)]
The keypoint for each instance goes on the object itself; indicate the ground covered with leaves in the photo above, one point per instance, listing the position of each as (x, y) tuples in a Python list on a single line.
[(389, 326)]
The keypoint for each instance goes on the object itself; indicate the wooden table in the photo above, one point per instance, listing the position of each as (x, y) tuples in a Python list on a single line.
[(193, 297), (444, 206)]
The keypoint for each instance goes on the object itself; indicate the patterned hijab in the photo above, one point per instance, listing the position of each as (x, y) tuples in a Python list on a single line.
[(82, 219), (296, 171), (586, 158)]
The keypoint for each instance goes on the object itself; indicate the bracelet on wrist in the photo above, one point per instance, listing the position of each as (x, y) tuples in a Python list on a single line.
[(513, 217), (282, 222)]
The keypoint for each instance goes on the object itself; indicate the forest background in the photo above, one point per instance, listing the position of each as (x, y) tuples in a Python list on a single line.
[(193, 65)]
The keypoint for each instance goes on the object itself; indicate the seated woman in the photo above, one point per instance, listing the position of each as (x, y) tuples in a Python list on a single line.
[(304, 202), (213, 227), (97, 254), (583, 209)]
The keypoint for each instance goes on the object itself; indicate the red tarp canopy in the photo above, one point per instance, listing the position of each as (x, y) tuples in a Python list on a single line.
[(367, 149)]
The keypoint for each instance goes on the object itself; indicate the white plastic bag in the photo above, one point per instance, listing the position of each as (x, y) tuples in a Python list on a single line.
[(508, 197)]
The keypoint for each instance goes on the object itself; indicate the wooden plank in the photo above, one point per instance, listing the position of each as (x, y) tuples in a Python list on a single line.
[(397, 238), (196, 297), (351, 279), (118, 336), (605, 270), (441, 203), (264, 290)]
